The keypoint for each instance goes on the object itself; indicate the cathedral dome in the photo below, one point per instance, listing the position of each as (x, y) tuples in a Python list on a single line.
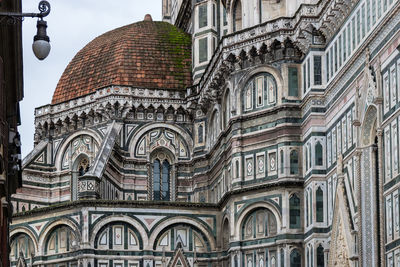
[(147, 54)]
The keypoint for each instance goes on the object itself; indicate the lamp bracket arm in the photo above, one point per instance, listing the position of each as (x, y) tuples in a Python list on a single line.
[(44, 8)]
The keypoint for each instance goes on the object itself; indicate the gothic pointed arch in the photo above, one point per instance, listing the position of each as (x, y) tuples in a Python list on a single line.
[(149, 134), (341, 238), (162, 172), (21, 261), (179, 258), (71, 147), (225, 234)]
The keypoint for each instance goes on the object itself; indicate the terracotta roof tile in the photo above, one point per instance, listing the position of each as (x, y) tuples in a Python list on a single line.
[(149, 54)]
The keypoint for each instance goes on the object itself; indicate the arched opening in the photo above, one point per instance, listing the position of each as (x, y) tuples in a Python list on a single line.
[(200, 134), (295, 258), (294, 162), (227, 107), (215, 128), (162, 173), (237, 174), (294, 210), (320, 205), (306, 154), (259, 223), (188, 236), (237, 16), (23, 247), (318, 154), (79, 168), (118, 236), (62, 239), (371, 152), (307, 211), (225, 235), (259, 92), (320, 256)]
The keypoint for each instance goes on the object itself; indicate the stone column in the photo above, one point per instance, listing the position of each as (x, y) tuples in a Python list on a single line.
[(368, 219)]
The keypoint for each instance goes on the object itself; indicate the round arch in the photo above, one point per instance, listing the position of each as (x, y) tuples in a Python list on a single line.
[(215, 111), (231, 12), (119, 218), (26, 231), (150, 126), (368, 127), (63, 146), (225, 225), (181, 220), (241, 84), (50, 227), (254, 206)]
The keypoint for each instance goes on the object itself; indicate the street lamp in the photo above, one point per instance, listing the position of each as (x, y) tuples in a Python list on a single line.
[(41, 42)]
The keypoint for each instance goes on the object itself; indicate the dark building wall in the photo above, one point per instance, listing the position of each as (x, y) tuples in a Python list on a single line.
[(11, 92)]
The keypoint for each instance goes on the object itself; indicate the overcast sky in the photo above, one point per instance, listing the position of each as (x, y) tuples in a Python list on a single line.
[(71, 25)]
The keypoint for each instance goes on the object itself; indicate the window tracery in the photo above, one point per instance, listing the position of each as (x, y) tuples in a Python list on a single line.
[(259, 92), (21, 246), (260, 223), (61, 240), (161, 173), (119, 236)]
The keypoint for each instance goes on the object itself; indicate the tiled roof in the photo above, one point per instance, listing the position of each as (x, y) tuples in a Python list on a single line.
[(146, 54)]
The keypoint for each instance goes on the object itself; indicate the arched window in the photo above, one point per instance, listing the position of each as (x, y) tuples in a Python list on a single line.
[(259, 92), (215, 127), (237, 16), (259, 224), (161, 180), (227, 108), (294, 209), (318, 154), (237, 168), (295, 258), (320, 205), (200, 134), (83, 166), (306, 157), (118, 235), (21, 244), (249, 97), (61, 240), (226, 233), (307, 211), (190, 239), (294, 162), (320, 256), (80, 167)]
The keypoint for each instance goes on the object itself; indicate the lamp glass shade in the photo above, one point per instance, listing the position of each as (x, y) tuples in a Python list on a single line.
[(41, 49)]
